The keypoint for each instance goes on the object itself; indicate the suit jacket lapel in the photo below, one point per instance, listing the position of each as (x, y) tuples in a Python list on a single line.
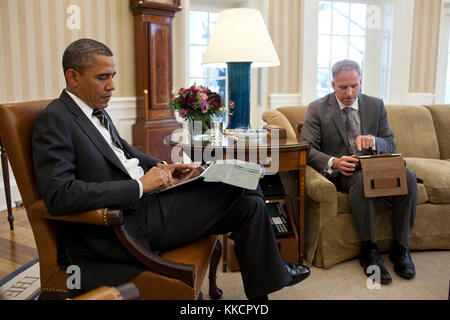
[(363, 115), (92, 132), (335, 112)]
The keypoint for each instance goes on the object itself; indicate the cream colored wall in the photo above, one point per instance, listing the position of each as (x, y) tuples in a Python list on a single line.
[(425, 45), (284, 24), (34, 35)]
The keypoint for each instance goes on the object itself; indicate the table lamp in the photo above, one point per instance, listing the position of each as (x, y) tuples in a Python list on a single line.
[(240, 40)]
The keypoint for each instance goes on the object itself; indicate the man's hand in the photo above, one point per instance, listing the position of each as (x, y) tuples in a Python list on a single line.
[(178, 171), (364, 142), (156, 179), (346, 165)]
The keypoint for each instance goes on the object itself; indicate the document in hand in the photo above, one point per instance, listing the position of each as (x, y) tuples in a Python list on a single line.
[(235, 172)]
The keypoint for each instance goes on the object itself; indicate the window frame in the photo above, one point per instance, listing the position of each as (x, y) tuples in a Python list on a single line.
[(443, 54), (205, 80), (372, 70)]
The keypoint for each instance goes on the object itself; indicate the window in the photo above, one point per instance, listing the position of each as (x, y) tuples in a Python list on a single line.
[(341, 35), (447, 84), (443, 70), (201, 26)]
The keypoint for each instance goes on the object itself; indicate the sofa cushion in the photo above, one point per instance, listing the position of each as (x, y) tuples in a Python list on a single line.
[(413, 131), (441, 120), (435, 175), (277, 118)]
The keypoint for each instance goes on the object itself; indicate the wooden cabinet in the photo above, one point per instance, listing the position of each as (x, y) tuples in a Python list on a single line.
[(153, 52)]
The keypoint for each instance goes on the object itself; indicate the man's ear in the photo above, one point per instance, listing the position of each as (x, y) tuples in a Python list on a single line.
[(72, 77), (333, 84)]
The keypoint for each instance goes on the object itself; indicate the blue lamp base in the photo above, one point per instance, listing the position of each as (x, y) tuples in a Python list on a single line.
[(239, 93)]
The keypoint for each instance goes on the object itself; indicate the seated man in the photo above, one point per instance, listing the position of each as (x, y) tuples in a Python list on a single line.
[(340, 126), (82, 163)]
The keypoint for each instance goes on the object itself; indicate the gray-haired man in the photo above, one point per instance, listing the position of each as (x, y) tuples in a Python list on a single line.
[(340, 126)]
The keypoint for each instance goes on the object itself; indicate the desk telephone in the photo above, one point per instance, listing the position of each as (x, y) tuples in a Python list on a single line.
[(279, 217)]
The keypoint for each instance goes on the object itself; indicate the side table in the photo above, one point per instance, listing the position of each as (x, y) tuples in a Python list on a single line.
[(287, 154)]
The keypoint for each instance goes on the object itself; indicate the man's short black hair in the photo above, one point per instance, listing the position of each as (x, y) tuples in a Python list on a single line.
[(79, 55)]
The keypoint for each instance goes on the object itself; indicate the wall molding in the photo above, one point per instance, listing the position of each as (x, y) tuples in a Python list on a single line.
[(419, 99), (277, 100)]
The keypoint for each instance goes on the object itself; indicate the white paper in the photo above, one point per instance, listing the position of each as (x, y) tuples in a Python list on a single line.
[(235, 172)]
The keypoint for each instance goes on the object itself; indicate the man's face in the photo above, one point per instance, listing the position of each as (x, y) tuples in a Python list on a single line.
[(346, 85), (96, 84)]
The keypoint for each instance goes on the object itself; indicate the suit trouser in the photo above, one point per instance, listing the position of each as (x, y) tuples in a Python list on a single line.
[(364, 209), (200, 209)]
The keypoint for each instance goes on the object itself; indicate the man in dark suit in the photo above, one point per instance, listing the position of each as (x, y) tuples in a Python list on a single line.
[(340, 126), (82, 163)]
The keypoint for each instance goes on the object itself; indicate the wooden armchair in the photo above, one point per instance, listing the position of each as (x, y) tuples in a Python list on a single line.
[(178, 274)]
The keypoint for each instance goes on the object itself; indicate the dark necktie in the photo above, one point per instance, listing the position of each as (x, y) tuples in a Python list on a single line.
[(100, 114), (352, 129)]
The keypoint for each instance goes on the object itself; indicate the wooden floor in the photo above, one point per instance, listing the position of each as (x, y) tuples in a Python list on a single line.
[(17, 247)]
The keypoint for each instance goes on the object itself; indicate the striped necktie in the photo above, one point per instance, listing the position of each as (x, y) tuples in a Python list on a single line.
[(352, 129), (101, 115)]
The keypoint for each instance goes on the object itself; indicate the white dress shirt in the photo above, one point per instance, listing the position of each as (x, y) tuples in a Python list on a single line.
[(131, 165)]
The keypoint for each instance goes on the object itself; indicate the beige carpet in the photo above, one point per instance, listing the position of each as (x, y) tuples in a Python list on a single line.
[(347, 281)]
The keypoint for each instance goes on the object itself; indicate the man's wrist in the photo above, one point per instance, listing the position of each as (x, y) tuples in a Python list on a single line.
[(329, 168), (141, 188)]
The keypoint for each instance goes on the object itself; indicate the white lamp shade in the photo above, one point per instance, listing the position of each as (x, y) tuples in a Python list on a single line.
[(240, 35)]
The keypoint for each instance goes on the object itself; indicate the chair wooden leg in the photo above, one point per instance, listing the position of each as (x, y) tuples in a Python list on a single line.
[(214, 292), (46, 295)]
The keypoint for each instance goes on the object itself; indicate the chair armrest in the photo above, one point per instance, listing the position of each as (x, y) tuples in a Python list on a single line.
[(127, 291), (322, 191), (156, 263), (114, 218), (103, 217), (319, 188)]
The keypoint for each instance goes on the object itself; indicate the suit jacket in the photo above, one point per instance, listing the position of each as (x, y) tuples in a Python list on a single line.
[(324, 129), (76, 170)]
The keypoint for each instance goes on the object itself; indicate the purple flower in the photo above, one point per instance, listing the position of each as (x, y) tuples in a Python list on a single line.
[(204, 106), (182, 112)]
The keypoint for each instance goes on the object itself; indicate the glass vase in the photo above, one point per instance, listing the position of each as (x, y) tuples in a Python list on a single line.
[(199, 128)]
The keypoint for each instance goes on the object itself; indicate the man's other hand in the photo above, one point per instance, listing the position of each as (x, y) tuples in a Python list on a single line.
[(346, 165)]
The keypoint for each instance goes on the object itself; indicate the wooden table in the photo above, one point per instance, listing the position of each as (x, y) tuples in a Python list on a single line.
[(5, 171), (275, 154)]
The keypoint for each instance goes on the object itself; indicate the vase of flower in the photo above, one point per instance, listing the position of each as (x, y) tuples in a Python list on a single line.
[(198, 128), (197, 105)]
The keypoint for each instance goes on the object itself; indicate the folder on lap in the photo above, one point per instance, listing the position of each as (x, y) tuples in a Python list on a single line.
[(384, 175)]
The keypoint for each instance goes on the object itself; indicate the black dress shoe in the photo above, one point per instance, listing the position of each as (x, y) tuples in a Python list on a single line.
[(400, 257), (298, 272), (373, 257)]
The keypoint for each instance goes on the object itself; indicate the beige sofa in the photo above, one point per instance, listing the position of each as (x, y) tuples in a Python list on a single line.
[(422, 134)]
